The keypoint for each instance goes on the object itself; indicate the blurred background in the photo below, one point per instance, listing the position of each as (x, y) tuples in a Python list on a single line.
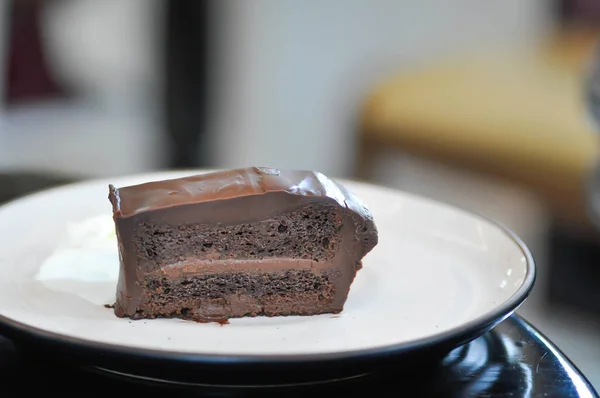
[(478, 104)]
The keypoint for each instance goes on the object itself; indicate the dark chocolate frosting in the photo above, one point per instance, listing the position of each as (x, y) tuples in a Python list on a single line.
[(230, 184)]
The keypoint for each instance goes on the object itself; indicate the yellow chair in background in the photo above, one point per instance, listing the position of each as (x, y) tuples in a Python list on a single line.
[(518, 116)]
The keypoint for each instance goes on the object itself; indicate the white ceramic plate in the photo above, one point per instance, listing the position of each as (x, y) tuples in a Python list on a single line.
[(438, 275)]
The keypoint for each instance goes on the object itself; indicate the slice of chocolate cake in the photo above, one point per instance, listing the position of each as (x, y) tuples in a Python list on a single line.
[(238, 243)]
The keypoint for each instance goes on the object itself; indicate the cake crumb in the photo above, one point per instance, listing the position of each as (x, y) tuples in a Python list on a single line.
[(109, 306)]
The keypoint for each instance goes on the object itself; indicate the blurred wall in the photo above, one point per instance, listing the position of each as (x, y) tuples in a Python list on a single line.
[(106, 54), (107, 49), (287, 77), (290, 75)]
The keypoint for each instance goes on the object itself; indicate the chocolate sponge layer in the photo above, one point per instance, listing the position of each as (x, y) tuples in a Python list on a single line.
[(230, 295), (311, 232)]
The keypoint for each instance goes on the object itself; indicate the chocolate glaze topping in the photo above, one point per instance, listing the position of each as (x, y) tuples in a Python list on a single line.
[(227, 198), (229, 184)]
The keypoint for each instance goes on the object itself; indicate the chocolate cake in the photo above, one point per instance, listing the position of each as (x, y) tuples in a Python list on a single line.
[(237, 243)]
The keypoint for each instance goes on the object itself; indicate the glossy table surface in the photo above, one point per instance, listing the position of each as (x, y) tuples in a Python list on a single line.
[(513, 360)]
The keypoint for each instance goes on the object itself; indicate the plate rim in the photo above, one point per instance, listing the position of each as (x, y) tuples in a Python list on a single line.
[(459, 334)]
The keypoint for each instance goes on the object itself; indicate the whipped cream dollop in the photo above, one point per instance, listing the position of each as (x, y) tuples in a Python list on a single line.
[(88, 252)]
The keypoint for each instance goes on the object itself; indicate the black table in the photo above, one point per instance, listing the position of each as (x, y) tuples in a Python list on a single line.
[(513, 360)]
